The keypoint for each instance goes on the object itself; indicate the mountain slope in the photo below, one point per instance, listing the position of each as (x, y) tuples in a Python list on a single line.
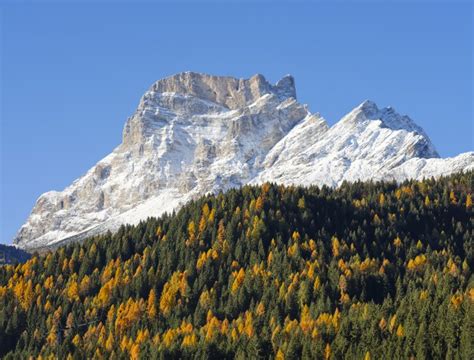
[(365, 270), (194, 133), (367, 143)]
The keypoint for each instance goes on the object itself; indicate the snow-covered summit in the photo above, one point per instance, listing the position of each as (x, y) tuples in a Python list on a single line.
[(195, 133)]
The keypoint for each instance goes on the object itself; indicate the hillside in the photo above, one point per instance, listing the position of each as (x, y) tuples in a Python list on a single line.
[(12, 255), (367, 270)]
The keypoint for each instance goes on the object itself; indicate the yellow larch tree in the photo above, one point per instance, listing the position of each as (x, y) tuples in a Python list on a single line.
[(468, 201), (452, 198), (73, 291), (382, 199), (151, 304), (109, 344), (327, 352), (259, 203), (400, 331), (191, 233)]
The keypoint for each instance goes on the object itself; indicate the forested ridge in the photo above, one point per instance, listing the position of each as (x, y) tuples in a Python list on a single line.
[(365, 271), (12, 255)]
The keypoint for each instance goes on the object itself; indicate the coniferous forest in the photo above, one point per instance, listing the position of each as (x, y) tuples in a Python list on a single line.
[(12, 255), (365, 271)]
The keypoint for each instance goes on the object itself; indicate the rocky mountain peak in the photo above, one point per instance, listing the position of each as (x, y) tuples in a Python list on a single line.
[(368, 107), (367, 110), (369, 118), (227, 91), (190, 94), (286, 86)]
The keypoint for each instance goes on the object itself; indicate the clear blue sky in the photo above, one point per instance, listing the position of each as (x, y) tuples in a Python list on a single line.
[(72, 74)]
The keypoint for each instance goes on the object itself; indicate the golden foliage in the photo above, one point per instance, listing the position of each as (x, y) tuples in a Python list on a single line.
[(427, 201), (382, 199), (468, 201), (456, 300), (76, 341), (335, 246), (400, 331), (238, 280), (135, 352), (73, 291), (151, 304), (417, 263), (191, 234), (317, 283), (105, 292), (176, 285), (52, 336), (259, 204), (452, 198), (189, 340), (376, 220), (327, 352), (280, 355), (393, 321), (127, 314), (109, 344), (397, 242), (293, 249), (301, 203), (204, 257)]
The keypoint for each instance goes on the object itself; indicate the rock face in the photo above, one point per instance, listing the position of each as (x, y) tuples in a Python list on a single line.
[(194, 133)]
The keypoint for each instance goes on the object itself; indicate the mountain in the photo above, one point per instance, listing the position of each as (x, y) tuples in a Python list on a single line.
[(194, 134), (361, 271)]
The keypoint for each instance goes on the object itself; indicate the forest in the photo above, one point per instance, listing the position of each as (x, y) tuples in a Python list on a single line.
[(12, 255), (369, 270)]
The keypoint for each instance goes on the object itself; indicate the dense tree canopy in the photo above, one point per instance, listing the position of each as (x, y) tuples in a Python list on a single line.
[(368, 270)]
